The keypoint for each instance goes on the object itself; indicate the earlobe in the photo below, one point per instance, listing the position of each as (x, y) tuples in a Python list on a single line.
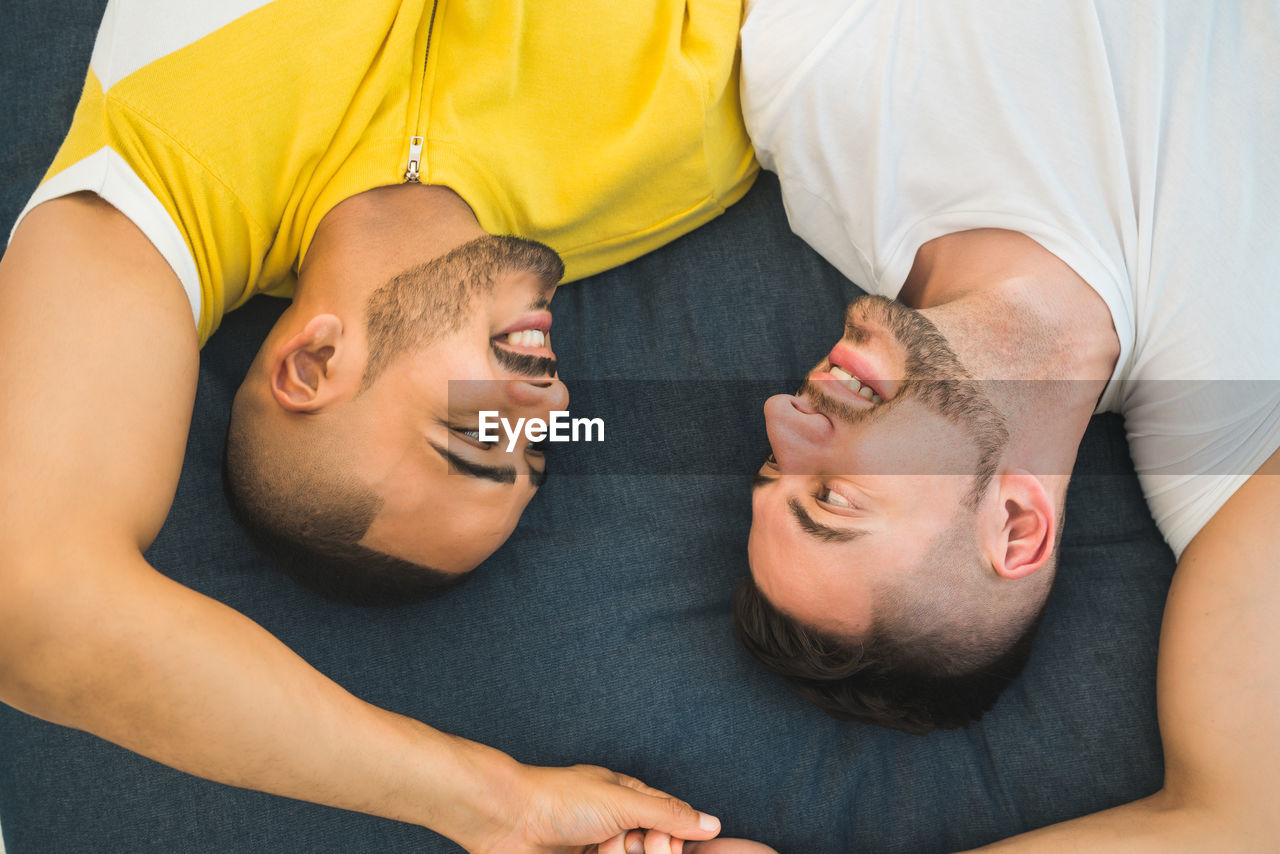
[(301, 370), (1027, 534)]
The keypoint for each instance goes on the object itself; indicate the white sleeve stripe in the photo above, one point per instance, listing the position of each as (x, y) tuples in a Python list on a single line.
[(106, 173), (135, 33)]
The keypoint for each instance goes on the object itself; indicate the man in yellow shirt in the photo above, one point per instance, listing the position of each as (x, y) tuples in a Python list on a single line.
[(228, 134), (361, 158)]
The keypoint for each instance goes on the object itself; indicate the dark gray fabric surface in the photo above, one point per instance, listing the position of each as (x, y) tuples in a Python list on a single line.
[(601, 632)]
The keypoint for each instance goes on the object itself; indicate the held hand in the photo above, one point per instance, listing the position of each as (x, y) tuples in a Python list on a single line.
[(656, 842), (571, 810)]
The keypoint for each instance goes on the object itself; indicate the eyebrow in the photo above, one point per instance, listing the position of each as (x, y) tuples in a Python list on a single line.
[(498, 474), (816, 529)]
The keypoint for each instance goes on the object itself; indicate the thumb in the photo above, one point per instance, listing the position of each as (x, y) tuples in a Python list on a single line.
[(670, 815)]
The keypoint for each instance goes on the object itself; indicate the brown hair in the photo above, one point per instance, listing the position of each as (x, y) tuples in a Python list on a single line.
[(308, 522), (878, 679), (299, 507), (927, 662)]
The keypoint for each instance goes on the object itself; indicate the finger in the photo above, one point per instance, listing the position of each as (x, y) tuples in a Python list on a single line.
[(657, 842), (657, 810), (616, 845)]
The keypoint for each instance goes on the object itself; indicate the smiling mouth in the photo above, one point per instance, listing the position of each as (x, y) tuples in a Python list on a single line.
[(855, 385), (525, 338), (842, 387), (527, 352), (529, 336), (843, 375)]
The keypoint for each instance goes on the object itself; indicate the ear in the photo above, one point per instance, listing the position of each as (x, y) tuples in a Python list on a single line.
[(301, 371), (1023, 537)]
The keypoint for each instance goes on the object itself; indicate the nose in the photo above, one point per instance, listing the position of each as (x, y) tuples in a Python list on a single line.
[(538, 397), (800, 436)]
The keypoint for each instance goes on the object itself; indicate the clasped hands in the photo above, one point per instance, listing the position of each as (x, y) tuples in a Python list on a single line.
[(569, 810)]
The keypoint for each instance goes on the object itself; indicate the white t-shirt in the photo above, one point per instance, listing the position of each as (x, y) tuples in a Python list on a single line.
[(1137, 140)]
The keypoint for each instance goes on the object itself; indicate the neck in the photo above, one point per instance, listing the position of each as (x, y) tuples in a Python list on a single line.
[(1025, 322), (360, 245), (369, 238)]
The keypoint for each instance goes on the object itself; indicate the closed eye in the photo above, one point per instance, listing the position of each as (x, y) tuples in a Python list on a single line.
[(498, 474)]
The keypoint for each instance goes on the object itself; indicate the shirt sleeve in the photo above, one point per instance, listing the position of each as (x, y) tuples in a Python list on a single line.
[(114, 149)]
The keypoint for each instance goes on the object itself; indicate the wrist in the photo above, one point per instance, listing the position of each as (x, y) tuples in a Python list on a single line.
[(478, 794)]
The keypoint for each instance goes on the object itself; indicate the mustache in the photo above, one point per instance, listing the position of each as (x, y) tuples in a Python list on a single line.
[(524, 364), (838, 410)]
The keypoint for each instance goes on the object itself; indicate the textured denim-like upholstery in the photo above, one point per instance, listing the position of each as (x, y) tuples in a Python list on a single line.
[(601, 632)]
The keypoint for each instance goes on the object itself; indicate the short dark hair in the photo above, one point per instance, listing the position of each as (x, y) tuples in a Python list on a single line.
[(878, 678), (310, 529), (306, 516)]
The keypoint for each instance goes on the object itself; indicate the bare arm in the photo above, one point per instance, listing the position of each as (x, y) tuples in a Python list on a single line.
[(1218, 694), (98, 378)]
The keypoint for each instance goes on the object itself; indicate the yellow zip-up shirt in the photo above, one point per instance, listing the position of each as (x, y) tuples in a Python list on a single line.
[(227, 131)]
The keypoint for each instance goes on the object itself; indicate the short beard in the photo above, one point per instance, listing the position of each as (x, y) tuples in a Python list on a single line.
[(934, 375), (433, 299), (524, 364)]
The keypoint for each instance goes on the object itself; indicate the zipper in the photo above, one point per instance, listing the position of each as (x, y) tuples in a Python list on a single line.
[(415, 141), (415, 158)]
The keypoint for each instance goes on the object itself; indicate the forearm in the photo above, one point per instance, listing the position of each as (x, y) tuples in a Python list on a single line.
[(98, 382), (1156, 824), (1218, 688), (161, 670)]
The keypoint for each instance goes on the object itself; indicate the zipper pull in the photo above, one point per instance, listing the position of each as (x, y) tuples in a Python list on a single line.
[(415, 158)]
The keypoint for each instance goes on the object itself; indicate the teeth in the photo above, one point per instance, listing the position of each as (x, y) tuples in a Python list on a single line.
[(853, 384), (527, 338)]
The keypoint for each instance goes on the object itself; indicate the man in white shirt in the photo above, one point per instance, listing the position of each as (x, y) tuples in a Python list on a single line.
[(1060, 208)]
